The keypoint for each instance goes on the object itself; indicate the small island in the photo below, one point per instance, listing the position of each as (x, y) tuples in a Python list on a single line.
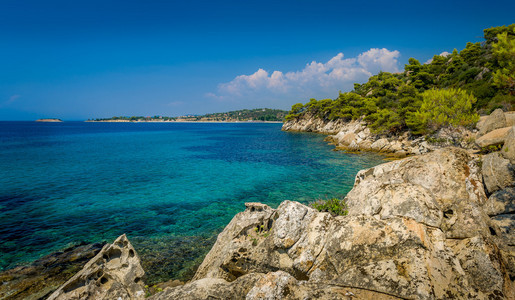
[(49, 120)]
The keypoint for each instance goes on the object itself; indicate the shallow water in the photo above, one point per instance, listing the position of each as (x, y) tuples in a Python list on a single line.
[(61, 183)]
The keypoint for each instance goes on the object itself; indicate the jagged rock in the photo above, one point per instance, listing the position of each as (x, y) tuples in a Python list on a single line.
[(415, 229), (508, 150), (114, 273), (494, 137), (39, 279), (501, 202), (495, 120), (498, 173)]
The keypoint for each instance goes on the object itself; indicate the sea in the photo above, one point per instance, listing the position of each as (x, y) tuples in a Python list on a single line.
[(171, 187)]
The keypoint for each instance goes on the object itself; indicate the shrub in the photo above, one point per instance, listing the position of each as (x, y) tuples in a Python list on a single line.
[(441, 108), (334, 206)]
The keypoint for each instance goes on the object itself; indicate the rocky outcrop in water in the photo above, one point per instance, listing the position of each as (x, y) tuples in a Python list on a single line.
[(114, 273), (39, 279)]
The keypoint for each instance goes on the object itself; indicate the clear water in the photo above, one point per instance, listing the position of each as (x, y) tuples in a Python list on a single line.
[(61, 183)]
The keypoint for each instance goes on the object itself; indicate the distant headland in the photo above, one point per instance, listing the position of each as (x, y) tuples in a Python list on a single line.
[(49, 120), (244, 115)]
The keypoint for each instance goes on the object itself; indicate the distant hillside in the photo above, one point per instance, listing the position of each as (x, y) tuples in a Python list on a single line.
[(244, 115)]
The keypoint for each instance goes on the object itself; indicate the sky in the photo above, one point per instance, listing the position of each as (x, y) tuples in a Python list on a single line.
[(77, 60)]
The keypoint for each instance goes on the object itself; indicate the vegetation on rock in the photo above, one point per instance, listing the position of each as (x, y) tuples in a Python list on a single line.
[(334, 206), (459, 85)]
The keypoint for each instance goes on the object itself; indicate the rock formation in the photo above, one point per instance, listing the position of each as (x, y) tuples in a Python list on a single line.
[(114, 273), (495, 120), (39, 279)]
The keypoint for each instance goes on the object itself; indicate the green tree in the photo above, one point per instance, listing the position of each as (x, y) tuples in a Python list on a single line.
[(440, 108), (504, 52)]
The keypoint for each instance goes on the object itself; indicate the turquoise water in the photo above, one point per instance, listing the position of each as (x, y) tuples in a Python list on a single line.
[(61, 183)]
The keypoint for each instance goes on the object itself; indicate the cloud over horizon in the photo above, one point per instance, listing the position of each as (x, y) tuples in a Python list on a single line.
[(315, 80)]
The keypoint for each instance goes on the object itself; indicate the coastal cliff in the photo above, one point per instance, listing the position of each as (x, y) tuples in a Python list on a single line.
[(357, 136), (432, 226)]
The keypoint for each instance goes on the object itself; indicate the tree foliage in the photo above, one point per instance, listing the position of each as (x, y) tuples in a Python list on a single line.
[(441, 108), (504, 52)]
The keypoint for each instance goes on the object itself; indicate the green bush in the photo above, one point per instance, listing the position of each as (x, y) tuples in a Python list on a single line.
[(441, 108), (334, 206)]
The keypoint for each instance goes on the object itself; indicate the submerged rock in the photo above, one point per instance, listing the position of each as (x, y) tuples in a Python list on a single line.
[(114, 273)]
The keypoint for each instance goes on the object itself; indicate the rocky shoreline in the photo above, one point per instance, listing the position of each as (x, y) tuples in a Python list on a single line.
[(434, 225), (355, 136)]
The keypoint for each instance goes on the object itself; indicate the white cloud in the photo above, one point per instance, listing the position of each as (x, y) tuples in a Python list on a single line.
[(444, 54), (315, 80)]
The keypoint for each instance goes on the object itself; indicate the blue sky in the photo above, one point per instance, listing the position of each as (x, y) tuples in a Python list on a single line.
[(86, 59)]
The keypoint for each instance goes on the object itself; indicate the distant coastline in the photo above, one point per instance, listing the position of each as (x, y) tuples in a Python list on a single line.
[(179, 121), (245, 115), (49, 120)]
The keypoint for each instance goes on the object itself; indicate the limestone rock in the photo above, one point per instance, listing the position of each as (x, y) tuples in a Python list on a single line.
[(494, 137), (508, 150), (310, 123), (495, 120), (506, 224), (501, 202), (237, 238), (380, 145), (272, 286), (115, 272), (510, 118), (498, 173), (211, 288), (441, 189), (39, 279)]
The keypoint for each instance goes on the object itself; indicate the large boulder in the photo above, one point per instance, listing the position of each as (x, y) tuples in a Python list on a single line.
[(416, 229), (498, 172), (508, 150), (493, 138), (495, 120), (441, 189), (114, 273)]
